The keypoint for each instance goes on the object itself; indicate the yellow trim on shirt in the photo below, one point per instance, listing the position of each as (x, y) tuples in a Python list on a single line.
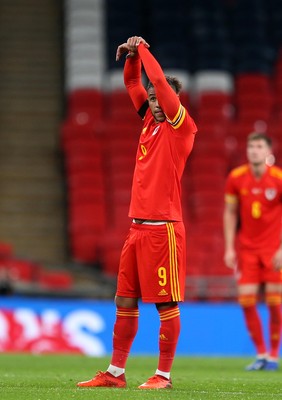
[(231, 198), (239, 170), (276, 172), (179, 118)]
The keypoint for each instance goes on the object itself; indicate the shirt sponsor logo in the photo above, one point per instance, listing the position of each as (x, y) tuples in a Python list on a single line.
[(256, 191), (270, 193), (156, 130)]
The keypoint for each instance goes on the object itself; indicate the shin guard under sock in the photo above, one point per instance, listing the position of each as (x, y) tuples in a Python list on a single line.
[(125, 330)]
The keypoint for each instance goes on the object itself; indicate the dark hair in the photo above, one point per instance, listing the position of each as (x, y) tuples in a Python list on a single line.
[(259, 136), (172, 81)]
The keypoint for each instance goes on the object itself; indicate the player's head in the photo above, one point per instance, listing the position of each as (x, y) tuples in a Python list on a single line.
[(153, 101), (259, 148)]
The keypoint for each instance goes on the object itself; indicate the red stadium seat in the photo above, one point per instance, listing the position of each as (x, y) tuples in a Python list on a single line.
[(23, 270), (88, 217), (111, 246), (252, 82), (85, 246), (120, 106), (55, 280), (89, 101), (6, 250)]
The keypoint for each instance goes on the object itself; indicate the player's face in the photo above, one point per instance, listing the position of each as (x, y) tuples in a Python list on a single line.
[(154, 106), (257, 151)]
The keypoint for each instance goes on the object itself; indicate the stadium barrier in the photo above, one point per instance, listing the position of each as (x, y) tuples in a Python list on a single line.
[(85, 326)]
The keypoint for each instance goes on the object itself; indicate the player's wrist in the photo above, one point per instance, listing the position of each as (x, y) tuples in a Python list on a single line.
[(131, 54)]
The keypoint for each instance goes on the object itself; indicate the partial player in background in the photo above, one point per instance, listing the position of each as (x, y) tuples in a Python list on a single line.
[(253, 201), (152, 264)]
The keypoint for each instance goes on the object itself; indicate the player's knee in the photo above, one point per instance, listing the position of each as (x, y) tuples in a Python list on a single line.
[(163, 306), (126, 302), (247, 300), (273, 299)]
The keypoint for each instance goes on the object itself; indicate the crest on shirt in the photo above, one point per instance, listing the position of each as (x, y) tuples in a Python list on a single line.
[(270, 193)]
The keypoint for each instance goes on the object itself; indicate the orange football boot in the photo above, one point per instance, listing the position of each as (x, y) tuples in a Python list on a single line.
[(104, 379), (157, 382)]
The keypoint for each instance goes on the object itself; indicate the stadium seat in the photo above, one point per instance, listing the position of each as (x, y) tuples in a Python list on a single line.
[(89, 101), (111, 246), (24, 271), (85, 246), (85, 178), (55, 280), (213, 81), (6, 250), (120, 108), (87, 217)]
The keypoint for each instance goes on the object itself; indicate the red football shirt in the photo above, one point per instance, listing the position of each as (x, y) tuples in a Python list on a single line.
[(163, 147), (260, 206)]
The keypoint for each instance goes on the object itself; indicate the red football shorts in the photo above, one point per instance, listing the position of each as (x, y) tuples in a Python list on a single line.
[(153, 263), (256, 267)]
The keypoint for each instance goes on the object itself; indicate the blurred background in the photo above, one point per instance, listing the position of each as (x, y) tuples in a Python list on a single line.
[(68, 132)]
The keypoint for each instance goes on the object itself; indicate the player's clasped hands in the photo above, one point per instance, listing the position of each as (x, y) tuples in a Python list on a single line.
[(130, 46)]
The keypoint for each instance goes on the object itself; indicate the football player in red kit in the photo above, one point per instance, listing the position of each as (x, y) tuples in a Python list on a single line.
[(254, 199), (152, 264)]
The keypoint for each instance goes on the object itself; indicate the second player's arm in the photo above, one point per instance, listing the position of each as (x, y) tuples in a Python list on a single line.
[(230, 220), (277, 258)]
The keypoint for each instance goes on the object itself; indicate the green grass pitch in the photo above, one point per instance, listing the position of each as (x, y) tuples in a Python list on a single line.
[(51, 377)]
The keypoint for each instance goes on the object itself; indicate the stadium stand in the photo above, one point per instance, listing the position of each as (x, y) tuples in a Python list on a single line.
[(227, 55), (26, 276)]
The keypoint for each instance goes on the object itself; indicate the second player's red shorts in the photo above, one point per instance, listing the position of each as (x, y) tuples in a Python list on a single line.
[(257, 267), (153, 263)]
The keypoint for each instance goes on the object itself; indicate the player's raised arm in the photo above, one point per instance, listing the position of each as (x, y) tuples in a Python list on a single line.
[(132, 72), (167, 97), (133, 82)]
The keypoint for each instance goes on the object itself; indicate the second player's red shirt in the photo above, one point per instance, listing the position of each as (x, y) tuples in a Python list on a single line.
[(260, 206)]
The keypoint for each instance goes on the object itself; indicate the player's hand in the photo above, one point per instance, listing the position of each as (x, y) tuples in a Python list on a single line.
[(134, 41), (130, 46), (277, 260), (230, 259), (122, 48)]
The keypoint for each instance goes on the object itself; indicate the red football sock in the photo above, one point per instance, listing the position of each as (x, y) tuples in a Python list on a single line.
[(169, 333), (275, 324), (125, 330), (254, 327)]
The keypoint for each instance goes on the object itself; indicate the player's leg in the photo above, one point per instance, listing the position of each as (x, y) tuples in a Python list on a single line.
[(125, 329), (273, 302), (247, 296), (167, 282), (126, 324), (169, 315), (248, 289)]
